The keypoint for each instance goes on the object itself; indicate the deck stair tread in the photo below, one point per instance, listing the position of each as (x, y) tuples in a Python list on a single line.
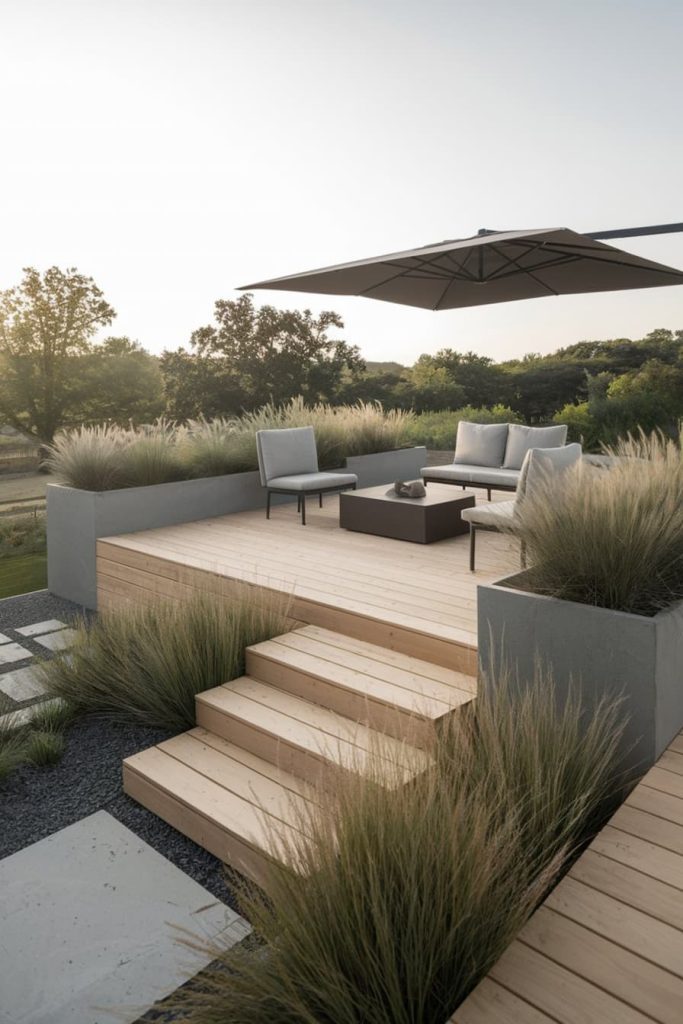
[(337, 658), (204, 782), (307, 726)]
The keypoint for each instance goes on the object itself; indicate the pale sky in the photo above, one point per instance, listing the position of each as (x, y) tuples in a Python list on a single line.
[(175, 149)]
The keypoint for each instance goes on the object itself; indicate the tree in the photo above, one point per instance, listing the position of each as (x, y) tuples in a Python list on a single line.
[(253, 356), (46, 324), (118, 382)]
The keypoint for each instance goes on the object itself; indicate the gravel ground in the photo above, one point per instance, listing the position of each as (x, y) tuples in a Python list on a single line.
[(37, 607), (35, 802)]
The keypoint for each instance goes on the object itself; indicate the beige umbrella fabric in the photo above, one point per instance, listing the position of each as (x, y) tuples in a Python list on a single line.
[(501, 266)]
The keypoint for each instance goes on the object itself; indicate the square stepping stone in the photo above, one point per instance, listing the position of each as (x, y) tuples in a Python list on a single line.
[(4, 639), (57, 641), (13, 652), (95, 916), (22, 684), (49, 626)]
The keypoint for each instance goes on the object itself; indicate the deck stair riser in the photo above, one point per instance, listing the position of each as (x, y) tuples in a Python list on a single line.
[(315, 707)]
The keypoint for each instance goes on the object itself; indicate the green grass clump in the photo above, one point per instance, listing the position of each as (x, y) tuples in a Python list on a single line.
[(145, 664), (43, 748), (22, 535), (395, 902), (106, 458), (12, 749), (437, 430), (611, 537)]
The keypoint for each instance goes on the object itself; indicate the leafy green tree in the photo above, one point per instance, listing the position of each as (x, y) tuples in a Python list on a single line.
[(257, 356), (46, 324), (661, 381), (482, 383), (118, 382)]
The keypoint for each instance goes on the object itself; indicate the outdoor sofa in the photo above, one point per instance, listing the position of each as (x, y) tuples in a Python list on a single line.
[(490, 455)]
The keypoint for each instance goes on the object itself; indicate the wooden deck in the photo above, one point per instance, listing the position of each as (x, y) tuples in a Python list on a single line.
[(606, 947), (418, 599)]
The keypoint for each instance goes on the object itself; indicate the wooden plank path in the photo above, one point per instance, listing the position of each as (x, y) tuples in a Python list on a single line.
[(606, 947)]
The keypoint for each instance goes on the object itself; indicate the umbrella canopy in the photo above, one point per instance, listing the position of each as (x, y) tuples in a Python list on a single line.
[(499, 266)]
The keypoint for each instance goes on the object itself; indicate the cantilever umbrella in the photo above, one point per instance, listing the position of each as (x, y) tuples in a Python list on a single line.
[(496, 266)]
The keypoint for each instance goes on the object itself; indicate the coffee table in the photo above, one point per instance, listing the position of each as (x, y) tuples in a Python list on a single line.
[(379, 511)]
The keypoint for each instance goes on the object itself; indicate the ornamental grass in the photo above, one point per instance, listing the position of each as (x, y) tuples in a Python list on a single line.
[(396, 901), (611, 537)]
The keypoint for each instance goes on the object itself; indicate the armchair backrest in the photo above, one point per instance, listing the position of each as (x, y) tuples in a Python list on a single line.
[(286, 452), (545, 466)]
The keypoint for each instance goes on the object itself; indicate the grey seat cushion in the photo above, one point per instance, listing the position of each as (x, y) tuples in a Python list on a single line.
[(472, 475), (287, 452), (497, 514), (315, 482), (521, 439), (480, 444)]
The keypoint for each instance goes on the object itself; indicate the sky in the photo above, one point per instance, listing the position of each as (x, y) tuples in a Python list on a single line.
[(176, 149)]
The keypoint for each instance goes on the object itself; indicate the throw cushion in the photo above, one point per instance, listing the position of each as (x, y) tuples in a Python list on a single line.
[(520, 439), (480, 444), (543, 465)]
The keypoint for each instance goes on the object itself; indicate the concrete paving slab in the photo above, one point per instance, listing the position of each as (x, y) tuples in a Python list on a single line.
[(22, 684), (36, 628), (92, 918), (13, 652), (57, 641), (4, 639)]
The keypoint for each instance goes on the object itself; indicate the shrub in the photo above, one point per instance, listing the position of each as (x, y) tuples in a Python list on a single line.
[(12, 748), (145, 664), (437, 430), (104, 458), (396, 902), (613, 537)]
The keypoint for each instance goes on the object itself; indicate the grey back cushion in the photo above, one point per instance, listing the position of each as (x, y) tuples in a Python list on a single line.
[(546, 465), (286, 452), (480, 444), (521, 439)]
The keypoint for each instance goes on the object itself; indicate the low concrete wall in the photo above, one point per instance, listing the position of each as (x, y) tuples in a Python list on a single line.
[(76, 518), (606, 652)]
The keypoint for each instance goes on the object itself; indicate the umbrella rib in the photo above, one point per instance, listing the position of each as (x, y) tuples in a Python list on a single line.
[(524, 270), (404, 272), (659, 269)]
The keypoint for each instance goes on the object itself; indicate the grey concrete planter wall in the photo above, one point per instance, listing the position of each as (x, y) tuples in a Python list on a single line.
[(606, 652), (76, 519)]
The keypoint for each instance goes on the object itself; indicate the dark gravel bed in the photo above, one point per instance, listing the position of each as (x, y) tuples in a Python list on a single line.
[(37, 607), (35, 802)]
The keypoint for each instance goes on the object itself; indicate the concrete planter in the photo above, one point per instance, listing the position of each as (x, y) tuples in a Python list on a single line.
[(607, 652), (76, 518)]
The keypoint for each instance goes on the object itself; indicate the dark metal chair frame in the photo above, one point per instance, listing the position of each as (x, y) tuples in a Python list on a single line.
[(301, 497), (491, 529), (468, 486)]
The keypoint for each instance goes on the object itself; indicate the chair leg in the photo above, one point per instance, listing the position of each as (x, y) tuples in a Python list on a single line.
[(303, 509), (488, 491), (298, 504), (320, 499), (522, 555), (268, 505), (473, 531)]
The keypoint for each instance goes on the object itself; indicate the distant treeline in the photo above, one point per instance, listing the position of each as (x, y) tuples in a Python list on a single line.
[(54, 375)]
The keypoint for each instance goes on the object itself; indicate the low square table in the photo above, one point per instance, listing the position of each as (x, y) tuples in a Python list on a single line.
[(379, 511)]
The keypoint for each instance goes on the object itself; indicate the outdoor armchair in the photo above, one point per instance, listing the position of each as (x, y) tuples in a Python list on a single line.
[(288, 464), (540, 464)]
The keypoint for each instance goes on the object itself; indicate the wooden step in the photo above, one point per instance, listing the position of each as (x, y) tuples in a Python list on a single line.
[(399, 695), (301, 737), (234, 804)]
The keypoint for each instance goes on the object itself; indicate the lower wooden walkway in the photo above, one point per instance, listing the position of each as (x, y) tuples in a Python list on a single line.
[(606, 947)]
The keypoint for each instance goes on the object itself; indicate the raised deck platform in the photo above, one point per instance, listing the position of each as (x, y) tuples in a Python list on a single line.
[(414, 598)]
